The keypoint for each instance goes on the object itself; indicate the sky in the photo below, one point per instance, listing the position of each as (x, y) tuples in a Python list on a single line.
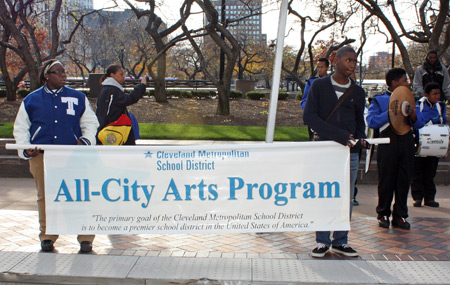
[(375, 43)]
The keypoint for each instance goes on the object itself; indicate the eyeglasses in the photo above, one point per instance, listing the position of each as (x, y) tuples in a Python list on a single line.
[(58, 72)]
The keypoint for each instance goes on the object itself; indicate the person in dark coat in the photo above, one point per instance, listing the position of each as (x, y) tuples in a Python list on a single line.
[(113, 101), (432, 70), (345, 126)]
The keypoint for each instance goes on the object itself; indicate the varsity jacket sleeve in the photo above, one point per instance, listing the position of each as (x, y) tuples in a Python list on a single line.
[(312, 118), (21, 130), (417, 83), (89, 125), (377, 117)]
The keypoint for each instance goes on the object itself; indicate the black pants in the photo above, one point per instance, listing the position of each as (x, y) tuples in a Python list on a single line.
[(395, 165), (422, 184)]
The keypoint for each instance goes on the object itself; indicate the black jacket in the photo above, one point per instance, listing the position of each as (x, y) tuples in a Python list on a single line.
[(112, 102), (348, 118)]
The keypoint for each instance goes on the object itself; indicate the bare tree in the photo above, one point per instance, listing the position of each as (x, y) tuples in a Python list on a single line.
[(20, 33), (187, 61), (251, 57), (229, 45), (432, 24), (159, 32), (330, 15)]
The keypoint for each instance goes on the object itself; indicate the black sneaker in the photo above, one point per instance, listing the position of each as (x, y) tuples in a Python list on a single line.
[(345, 249), (355, 203), (320, 250), (47, 245), (384, 222), (433, 204), (400, 223), (417, 203), (85, 246)]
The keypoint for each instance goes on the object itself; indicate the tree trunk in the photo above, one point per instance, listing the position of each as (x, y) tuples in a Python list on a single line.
[(33, 73), (160, 80), (11, 90), (223, 104), (224, 85)]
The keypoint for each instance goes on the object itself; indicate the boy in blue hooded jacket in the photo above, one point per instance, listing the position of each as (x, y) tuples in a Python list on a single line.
[(422, 184)]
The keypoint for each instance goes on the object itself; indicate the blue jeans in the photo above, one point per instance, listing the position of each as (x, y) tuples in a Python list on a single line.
[(341, 237)]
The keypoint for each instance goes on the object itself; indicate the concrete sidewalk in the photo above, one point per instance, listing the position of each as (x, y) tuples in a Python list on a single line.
[(392, 256)]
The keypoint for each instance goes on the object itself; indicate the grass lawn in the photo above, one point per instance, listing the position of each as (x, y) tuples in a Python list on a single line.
[(203, 132)]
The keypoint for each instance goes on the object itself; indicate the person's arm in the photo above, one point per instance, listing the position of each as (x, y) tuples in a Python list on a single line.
[(417, 83), (138, 92), (305, 94), (312, 118), (21, 131), (377, 117), (122, 99), (416, 117), (89, 125)]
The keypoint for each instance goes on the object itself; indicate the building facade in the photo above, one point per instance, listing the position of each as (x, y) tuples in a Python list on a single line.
[(245, 20), (381, 61)]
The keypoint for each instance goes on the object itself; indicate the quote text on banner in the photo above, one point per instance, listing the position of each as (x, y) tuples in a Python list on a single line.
[(197, 189)]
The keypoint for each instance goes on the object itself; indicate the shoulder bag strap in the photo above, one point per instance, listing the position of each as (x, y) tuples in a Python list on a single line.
[(341, 100)]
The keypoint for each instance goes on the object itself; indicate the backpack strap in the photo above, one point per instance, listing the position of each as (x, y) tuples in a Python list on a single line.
[(341, 100)]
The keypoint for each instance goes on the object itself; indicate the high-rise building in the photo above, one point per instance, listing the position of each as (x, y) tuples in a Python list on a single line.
[(249, 28), (65, 21), (83, 5), (380, 61)]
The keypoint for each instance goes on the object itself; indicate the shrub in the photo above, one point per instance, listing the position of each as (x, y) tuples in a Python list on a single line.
[(255, 95), (283, 95), (178, 93), (150, 92), (2, 93), (23, 93), (203, 93), (235, 94), (299, 95)]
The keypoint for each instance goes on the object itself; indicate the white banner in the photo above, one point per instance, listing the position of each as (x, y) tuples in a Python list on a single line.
[(197, 189)]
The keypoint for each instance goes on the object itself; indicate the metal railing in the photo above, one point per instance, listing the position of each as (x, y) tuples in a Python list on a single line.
[(129, 83)]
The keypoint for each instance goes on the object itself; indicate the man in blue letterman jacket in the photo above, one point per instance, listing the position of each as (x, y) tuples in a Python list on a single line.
[(344, 126), (53, 114), (395, 160)]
